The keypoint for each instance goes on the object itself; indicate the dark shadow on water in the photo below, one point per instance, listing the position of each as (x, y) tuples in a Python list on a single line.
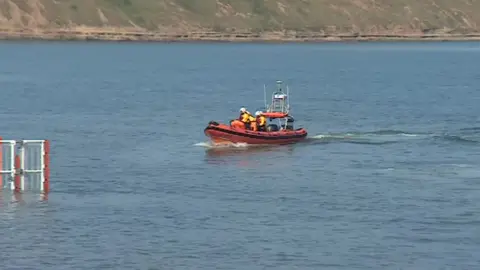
[(25, 210), (248, 150), (9, 198), (247, 156)]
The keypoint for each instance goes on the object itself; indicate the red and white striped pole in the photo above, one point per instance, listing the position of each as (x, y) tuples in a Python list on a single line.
[(46, 160), (1, 164), (18, 168)]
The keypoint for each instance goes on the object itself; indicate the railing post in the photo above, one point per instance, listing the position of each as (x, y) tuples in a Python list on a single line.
[(12, 163), (17, 173), (46, 166), (1, 164), (22, 165)]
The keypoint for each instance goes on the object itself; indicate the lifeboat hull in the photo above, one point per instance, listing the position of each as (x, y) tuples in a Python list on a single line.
[(221, 134)]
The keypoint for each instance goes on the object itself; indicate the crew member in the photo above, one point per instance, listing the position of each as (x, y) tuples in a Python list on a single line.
[(261, 121), (245, 117), (253, 123)]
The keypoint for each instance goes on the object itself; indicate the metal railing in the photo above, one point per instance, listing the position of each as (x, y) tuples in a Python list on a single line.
[(25, 165)]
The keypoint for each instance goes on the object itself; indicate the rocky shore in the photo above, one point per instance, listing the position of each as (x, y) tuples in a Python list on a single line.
[(121, 34)]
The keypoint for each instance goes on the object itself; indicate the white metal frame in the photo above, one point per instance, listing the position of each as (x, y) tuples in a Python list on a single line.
[(22, 162), (11, 170), (22, 152), (284, 104)]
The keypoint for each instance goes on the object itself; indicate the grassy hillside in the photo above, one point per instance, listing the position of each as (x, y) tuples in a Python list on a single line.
[(321, 16)]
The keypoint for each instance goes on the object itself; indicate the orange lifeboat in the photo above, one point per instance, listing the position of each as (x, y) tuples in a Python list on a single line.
[(283, 133), (234, 133)]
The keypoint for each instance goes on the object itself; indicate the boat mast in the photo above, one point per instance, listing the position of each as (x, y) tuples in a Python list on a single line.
[(288, 99), (265, 96)]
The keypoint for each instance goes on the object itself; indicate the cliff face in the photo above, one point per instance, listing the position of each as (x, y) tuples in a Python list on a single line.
[(321, 16)]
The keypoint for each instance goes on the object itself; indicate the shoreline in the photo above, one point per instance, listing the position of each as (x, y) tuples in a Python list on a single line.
[(124, 35)]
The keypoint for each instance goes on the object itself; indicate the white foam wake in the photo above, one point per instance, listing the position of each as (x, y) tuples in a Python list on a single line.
[(361, 135), (224, 145)]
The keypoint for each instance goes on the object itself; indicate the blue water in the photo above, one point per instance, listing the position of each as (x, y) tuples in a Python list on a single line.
[(388, 179)]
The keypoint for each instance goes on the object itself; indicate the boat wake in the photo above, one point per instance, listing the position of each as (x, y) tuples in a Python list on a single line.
[(373, 137), (379, 137), (467, 135), (210, 145), (213, 150)]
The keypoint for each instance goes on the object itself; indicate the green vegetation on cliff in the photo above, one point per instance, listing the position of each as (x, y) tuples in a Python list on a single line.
[(326, 16)]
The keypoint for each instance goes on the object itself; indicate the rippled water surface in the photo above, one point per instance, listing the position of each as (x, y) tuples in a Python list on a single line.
[(388, 179)]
